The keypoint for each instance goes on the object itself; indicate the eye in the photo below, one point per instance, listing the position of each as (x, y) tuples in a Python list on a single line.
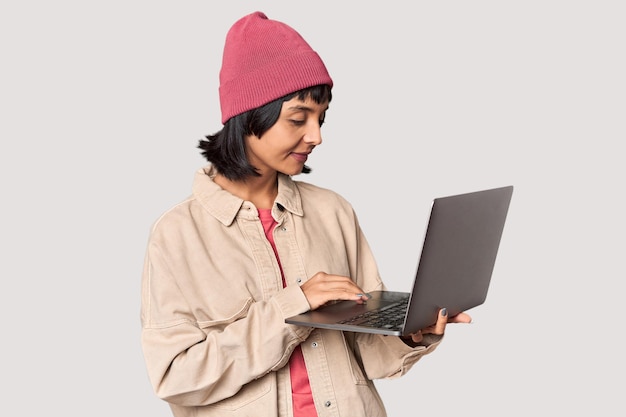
[(322, 119), (296, 122)]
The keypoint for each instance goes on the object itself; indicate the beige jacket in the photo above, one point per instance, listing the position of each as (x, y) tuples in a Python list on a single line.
[(213, 306)]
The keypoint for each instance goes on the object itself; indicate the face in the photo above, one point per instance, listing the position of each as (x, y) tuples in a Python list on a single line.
[(286, 146)]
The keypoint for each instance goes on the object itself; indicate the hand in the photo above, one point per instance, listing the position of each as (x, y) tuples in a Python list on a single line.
[(440, 326), (323, 287)]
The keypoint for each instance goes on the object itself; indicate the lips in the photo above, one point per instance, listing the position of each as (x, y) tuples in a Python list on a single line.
[(300, 157)]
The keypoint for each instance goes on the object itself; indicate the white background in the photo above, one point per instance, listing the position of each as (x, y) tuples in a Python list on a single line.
[(101, 107)]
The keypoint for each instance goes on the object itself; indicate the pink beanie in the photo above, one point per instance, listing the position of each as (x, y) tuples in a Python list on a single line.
[(264, 60)]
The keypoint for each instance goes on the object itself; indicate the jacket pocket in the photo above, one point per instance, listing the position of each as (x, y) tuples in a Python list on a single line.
[(254, 390), (222, 318)]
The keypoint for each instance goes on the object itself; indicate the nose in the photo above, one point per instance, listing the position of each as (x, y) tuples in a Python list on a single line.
[(313, 135)]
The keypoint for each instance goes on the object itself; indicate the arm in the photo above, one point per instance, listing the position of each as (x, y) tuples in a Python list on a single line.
[(194, 359), (391, 357)]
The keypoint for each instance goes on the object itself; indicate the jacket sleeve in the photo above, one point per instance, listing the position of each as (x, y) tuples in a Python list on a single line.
[(196, 363), (388, 356)]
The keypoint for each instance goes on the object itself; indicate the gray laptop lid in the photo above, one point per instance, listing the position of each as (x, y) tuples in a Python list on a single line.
[(454, 270), (458, 254)]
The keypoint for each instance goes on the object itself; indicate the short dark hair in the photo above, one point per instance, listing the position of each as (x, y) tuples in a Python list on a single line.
[(226, 149)]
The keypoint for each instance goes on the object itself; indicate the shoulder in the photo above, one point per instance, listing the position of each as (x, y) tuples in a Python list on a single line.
[(313, 193), (176, 217), (323, 204)]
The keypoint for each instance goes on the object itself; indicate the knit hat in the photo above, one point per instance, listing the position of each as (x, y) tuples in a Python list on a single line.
[(264, 60)]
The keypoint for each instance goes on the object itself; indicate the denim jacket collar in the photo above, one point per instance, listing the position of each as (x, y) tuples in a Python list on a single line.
[(225, 206)]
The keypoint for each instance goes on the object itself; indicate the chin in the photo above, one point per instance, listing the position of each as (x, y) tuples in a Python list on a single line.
[(292, 171)]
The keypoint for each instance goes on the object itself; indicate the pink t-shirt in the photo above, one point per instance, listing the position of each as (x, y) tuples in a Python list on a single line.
[(303, 405)]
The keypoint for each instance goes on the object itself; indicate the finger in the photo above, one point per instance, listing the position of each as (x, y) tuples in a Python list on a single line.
[(343, 288), (417, 336), (343, 291), (442, 320), (330, 282), (460, 318), (323, 287)]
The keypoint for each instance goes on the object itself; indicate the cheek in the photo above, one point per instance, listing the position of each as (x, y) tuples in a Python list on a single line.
[(254, 148), (278, 142)]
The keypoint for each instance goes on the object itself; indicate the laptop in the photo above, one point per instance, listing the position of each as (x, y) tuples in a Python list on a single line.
[(454, 270)]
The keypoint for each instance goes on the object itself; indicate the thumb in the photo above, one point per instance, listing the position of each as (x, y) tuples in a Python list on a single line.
[(442, 320)]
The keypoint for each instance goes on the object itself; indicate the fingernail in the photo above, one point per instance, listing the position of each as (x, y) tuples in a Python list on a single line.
[(444, 311)]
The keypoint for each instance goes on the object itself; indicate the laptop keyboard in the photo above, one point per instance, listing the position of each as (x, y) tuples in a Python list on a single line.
[(387, 317)]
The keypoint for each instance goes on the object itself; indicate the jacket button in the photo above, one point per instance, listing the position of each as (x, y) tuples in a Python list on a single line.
[(284, 229), (314, 344), (327, 403), (299, 280)]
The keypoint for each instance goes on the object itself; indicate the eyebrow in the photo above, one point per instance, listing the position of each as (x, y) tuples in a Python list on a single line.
[(300, 107)]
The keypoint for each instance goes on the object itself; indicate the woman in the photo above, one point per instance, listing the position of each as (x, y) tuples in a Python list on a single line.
[(252, 246)]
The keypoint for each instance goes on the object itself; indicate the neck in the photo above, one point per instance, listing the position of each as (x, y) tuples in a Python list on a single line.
[(260, 191)]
